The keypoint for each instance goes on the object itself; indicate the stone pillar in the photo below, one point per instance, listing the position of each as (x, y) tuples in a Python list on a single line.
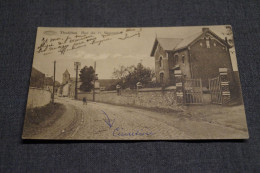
[(138, 86), (224, 84), (179, 86), (118, 89)]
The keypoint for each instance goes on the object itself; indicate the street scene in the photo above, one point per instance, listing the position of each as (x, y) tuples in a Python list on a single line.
[(101, 121), (173, 83)]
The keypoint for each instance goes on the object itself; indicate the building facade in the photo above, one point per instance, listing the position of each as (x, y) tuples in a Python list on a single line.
[(67, 88), (198, 56), (65, 77)]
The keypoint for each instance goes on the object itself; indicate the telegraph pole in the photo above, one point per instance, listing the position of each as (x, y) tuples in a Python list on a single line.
[(94, 81), (76, 67), (53, 89), (76, 84)]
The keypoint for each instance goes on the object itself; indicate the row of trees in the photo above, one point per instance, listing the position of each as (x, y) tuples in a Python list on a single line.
[(127, 77)]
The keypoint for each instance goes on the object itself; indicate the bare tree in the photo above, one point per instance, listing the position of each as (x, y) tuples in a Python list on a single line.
[(122, 72)]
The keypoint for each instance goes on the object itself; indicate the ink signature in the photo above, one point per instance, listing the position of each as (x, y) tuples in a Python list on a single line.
[(65, 43), (129, 36), (119, 131), (122, 132)]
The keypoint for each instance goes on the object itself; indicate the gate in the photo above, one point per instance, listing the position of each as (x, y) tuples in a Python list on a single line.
[(215, 90), (193, 91)]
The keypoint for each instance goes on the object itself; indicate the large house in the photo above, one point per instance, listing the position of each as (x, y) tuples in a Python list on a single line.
[(198, 56)]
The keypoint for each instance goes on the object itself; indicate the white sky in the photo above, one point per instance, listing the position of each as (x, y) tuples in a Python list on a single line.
[(113, 53)]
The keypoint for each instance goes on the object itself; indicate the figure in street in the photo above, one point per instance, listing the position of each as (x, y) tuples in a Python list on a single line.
[(84, 101)]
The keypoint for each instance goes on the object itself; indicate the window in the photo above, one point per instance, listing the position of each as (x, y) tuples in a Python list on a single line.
[(161, 77), (207, 43), (176, 59), (183, 59), (160, 61)]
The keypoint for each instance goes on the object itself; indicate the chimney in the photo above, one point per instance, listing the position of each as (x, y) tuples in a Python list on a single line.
[(205, 29), (226, 40)]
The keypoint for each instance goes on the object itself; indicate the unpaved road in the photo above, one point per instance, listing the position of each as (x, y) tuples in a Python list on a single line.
[(99, 121)]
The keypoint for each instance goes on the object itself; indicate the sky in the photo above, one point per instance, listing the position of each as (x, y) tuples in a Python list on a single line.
[(118, 50)]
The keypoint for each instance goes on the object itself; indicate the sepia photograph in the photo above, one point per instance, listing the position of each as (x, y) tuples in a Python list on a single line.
[(149, 83)]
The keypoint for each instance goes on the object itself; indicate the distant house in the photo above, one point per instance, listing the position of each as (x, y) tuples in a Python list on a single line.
[(197, 56), (37, 78), (72, 86), (107, 84), (65, 77), (48, 84), (67, 88)]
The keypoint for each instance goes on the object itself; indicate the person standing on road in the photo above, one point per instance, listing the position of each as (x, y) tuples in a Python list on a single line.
[(84, 101)]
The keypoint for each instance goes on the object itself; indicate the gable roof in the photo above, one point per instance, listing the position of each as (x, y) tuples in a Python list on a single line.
[(107, 82), (174, 44), (36, 72), (169, 43), (66, 72), (186, 41)]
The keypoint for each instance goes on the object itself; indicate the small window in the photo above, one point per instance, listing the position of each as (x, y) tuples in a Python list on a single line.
[(160, 61), (207, 43), (176, 59), (201, 44), (161, 77), (183, 59)]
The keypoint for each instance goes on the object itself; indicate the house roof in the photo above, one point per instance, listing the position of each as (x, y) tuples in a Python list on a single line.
[(36, 72), (169, 43), (186, 41), (107, 82), (174, 44), (48, 81), (37, 78)]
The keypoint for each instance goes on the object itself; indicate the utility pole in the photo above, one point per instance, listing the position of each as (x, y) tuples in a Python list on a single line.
[(76, 67), (94, 81), (53, 89)]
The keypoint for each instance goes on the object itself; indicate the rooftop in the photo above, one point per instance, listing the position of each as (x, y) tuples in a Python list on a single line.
[(174, 44)]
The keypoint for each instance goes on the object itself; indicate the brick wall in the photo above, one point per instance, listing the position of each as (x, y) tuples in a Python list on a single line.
[(205, 61)]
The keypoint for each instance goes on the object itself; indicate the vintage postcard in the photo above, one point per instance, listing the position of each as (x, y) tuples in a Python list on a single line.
[(154, 83)]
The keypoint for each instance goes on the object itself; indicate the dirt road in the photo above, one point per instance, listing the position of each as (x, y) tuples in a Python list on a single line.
[(99, 121)]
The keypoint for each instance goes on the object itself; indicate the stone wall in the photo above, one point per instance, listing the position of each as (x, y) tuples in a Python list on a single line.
[(148, 97), (38, 97)]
